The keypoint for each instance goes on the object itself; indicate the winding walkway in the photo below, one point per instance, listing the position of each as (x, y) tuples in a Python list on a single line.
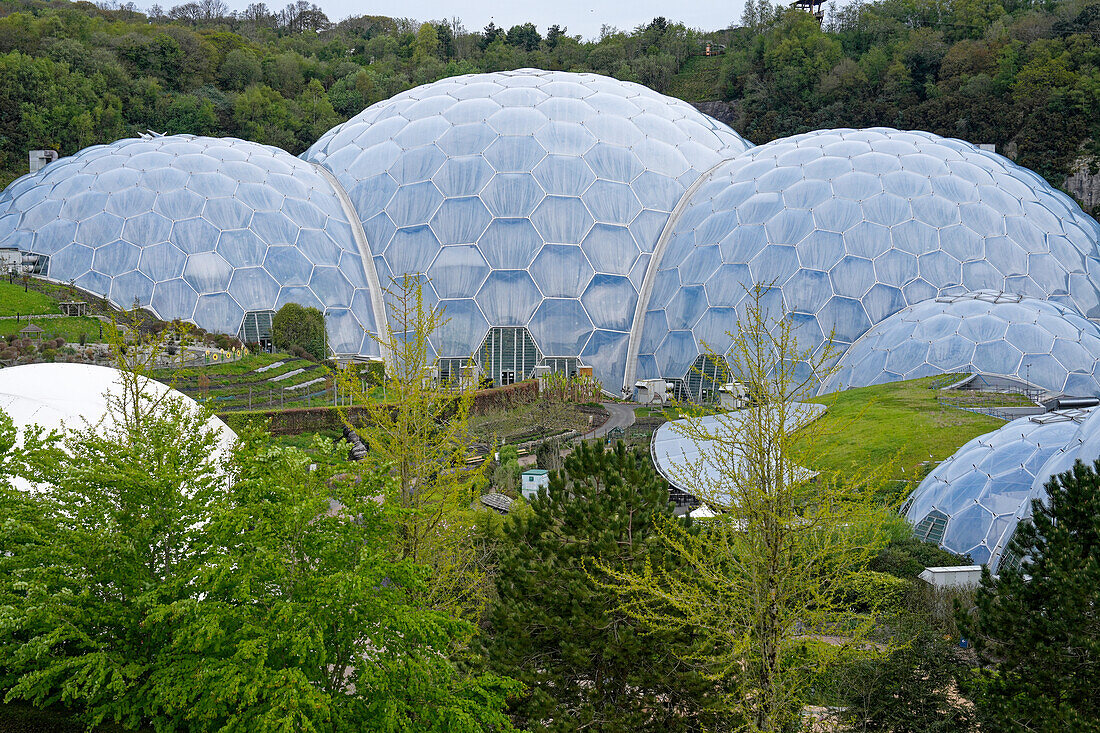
[(621, 416)]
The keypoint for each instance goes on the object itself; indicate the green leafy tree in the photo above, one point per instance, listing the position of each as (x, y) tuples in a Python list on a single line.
[(781, 558), (1037, 624), (120, 526), (910, 687), (525, 36), (305, 617), (426, 46), (420, 439), (301, 326), (585, 664), (240, 70), (149, 584)]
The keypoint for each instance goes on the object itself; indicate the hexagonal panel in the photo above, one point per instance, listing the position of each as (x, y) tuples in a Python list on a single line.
[(458, 272), (508, 298), (510, 244), (561, 271)]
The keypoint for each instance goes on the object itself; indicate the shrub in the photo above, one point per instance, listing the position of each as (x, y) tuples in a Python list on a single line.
[(298, 351), (548, 455), (296, 325)]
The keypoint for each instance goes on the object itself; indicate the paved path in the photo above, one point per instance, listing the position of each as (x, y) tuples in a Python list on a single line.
[(622, 416)]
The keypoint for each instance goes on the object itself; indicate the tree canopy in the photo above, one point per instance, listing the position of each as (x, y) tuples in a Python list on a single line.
[(1037, 621), (1021, 75), (155, 582)]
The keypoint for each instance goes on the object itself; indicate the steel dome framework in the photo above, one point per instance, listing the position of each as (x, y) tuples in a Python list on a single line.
[(851, 226), (1038, 342), (198, 229), (968, 504), (592, 221), (531, 199)]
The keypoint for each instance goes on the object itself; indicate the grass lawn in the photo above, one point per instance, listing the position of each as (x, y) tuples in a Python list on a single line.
[(901, 421), (68, 328), (13, 301)]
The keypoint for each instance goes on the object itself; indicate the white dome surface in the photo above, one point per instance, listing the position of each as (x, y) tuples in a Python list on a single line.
[(970, 503), (68, 397), (199, 229), (852, 226), (1042, 342), (529, 198)]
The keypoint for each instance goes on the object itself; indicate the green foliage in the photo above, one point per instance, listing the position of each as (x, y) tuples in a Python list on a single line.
[(910, 687), (906, 557), (901, 422), (878, 591), (1026, 74), (419, 439), (548, 455), (301, 326), (148, 584), (583, 662), (1037, 623)]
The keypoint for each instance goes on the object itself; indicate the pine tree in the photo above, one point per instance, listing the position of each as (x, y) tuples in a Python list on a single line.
[(1039, 623), (585, 664)]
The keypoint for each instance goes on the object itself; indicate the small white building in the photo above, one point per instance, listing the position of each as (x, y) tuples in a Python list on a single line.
[(533, 480), (958, 576), (652, 391), (733, 395)]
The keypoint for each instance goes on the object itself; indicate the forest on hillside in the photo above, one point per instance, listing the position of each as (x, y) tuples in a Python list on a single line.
[(1022, 75)]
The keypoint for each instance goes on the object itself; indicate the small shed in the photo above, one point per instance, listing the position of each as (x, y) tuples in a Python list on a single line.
[(533, 480), (74, 308), (652, 391), (497, 502), (958, 576), (32, 332)]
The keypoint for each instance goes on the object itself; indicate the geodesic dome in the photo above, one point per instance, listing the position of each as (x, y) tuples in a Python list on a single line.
[(1038, 341), (968, 503), (1084, 447), (196, 228), (530, 199), (851, 226)]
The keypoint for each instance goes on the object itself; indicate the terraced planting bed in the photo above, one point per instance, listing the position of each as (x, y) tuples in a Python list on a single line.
[(256, 381)]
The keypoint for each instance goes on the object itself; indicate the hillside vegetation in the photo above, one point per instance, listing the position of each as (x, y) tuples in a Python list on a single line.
[(1025, 76)]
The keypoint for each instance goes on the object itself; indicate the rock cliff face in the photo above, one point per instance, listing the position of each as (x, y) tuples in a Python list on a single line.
[(725, 112), (1083, 183)]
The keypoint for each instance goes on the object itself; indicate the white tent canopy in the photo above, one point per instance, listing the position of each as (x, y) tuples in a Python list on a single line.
[(69, 397)]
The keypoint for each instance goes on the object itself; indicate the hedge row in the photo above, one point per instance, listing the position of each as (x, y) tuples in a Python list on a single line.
[(313, 419)]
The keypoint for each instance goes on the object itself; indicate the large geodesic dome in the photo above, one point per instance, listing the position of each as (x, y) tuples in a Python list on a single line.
[(199, 229), (1036, 341), (572, 220), (969, 503), (531, 199), (851, 226)]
